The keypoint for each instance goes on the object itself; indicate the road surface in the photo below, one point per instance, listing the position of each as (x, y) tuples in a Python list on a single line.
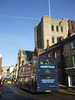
[(13, 92)]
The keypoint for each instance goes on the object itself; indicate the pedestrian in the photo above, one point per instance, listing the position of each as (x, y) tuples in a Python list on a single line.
[(0, 87), (3, 84), (13, 80)]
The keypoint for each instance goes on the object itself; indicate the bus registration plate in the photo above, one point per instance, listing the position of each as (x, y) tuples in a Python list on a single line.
[(48, 90)]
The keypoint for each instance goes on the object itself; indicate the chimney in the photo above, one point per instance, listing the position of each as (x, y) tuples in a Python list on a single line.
[(73, 26), (47, 43), (0, 64), (70, 26)]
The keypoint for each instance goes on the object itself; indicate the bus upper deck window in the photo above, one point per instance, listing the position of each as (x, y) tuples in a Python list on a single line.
[(47, 62)]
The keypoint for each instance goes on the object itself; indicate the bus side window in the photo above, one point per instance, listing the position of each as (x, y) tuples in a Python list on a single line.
[(33, 78), (26, 79)]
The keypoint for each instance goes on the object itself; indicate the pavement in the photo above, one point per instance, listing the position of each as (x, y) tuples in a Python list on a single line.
[(65, 90), (8, 94)]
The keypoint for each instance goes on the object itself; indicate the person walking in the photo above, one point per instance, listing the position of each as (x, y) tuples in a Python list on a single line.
[(0, 87), (3, 84)]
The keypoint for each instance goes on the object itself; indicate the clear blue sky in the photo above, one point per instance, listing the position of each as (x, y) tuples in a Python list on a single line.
[(17, 22)]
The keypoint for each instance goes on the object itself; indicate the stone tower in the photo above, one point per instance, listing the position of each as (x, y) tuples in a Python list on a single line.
[(50, 29)]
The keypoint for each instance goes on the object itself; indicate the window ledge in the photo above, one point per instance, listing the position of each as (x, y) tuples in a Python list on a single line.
[(73, 48), (71, 86)]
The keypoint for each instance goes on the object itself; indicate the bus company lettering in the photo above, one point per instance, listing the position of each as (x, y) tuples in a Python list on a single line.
[(47, 66), (48, 80)]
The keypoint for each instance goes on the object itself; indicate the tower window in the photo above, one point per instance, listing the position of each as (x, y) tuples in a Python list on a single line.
[(52, 28), (57, 29), (61, 29), (52, 39), (57, 39)]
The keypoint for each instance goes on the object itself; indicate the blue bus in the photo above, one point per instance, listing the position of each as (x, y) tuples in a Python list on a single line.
[(39, 75)]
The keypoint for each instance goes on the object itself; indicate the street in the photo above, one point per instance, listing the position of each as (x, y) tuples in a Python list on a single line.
[(13, 92)]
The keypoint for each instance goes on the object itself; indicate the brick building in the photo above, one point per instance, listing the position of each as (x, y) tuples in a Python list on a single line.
[(69, 58), (51, 36), (65, 54), (57, 52)]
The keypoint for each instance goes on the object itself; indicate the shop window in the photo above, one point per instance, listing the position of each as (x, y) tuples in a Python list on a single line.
[(74, 60), (73, 80), (73, 44)]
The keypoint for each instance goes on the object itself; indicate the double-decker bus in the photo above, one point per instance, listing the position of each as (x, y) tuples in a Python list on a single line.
[(39, 75)]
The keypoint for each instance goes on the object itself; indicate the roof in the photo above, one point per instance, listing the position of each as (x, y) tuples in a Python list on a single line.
[(67, 40)]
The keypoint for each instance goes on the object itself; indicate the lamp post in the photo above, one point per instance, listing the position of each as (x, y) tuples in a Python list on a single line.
[(49, 8)]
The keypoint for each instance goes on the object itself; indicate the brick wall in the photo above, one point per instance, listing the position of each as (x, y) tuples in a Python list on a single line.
[(61, 67)]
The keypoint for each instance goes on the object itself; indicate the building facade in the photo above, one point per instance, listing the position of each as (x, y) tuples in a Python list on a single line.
[(56, 51), (64, 51), (5, 71), (50, 29), (10, 71), (15, 72), (23, 57), (69, 56)]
